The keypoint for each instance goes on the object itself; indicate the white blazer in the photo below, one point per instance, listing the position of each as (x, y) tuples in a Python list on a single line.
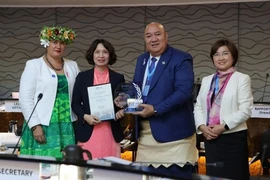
[(38, 78), (236, 105)]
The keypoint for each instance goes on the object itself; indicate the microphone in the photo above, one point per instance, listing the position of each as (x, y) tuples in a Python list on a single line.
[(265, 83), (265, 146), (26, 126), (214, 164), (254, 158), (263, 157)]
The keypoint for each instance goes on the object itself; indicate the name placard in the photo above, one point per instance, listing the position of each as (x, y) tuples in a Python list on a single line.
[(12, 106), (19, 170), (261, 111)]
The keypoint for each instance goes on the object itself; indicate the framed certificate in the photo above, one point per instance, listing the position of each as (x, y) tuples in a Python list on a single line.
[(101, 101)]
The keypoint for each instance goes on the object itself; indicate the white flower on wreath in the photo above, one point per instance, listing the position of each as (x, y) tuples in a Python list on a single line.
[(44, 42)]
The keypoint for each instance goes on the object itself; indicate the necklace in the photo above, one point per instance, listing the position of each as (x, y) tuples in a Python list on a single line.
[(56, 69)]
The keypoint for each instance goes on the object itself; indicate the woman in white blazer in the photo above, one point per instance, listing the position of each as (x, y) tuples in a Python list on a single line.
[(47, 82), (223, 105)]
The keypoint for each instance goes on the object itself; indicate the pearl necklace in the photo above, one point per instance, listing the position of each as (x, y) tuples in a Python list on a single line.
[(56, 69)]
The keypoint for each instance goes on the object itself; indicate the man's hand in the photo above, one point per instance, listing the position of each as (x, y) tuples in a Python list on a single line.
[(39, 135), (91, 119), (121, 100), (148, 110)]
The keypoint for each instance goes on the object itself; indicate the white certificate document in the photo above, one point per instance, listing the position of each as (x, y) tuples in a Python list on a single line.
[(101, 101)]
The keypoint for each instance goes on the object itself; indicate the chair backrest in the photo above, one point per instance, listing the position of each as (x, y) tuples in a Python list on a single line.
[(256, 126), (265, 149)]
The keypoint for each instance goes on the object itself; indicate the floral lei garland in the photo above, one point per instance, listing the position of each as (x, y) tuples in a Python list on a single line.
[(56, 33)]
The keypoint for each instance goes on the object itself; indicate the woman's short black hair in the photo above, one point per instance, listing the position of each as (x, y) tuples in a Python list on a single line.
[(231, 46), (90, 52)]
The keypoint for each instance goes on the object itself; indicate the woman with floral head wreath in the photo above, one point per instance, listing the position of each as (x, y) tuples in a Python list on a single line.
[(50, 128)]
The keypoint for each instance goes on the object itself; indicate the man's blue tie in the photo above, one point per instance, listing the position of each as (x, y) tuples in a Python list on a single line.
[(152, 65)]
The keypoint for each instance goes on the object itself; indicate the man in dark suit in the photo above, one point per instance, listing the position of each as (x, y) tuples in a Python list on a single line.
[(167, 134)]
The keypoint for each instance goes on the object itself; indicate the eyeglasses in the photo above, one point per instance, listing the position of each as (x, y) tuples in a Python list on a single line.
[(223, 54)]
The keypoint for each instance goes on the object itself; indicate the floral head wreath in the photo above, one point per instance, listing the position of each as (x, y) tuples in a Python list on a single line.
[(56, 33)]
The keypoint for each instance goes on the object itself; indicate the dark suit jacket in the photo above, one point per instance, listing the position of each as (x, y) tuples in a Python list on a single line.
[(170, 93), (80, 104)]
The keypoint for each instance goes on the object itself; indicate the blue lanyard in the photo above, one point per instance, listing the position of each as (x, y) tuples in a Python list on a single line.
[(216, 85), (148, 80)]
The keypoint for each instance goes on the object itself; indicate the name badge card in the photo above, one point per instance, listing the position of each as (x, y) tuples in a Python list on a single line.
[(261, 111), (19, 170), (101, 101), (12, 106)]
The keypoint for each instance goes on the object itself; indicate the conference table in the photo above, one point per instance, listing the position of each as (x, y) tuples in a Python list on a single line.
[(21, 167)]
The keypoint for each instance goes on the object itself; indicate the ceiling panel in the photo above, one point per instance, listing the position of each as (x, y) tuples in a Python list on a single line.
[(107, 3)]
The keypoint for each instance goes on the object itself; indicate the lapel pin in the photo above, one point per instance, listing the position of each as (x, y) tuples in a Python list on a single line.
[(144, 61), (53, 76), (163, 62)]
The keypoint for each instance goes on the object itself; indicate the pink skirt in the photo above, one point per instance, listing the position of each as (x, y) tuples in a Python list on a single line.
[(101, 143)]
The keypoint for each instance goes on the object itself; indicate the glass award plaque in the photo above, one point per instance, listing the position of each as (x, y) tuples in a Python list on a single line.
[(128, 96)]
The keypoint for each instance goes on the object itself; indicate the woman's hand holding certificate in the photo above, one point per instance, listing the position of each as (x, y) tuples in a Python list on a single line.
[(120, 114), (91, 119)]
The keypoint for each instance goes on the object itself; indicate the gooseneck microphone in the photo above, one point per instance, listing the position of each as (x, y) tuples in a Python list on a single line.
[(26, 126), (265, 83)]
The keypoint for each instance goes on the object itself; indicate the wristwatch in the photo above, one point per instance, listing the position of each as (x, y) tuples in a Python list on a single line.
[(226, 127)]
